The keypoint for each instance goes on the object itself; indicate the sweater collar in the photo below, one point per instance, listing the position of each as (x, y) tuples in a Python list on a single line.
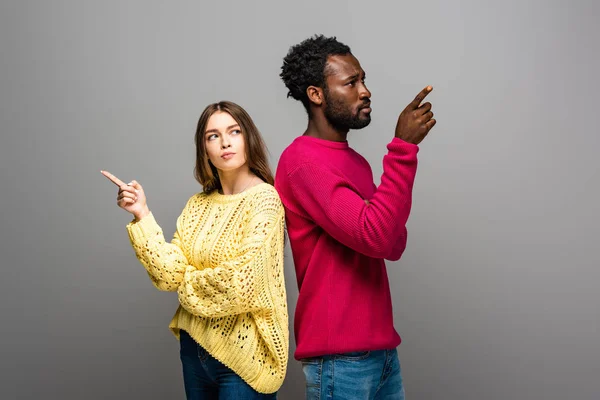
[(322, 142), (226, 198)]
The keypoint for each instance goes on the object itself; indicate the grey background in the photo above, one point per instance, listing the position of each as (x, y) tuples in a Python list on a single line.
[(497, 294)]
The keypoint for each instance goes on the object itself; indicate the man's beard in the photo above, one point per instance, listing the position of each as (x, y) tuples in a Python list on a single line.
[(340, 116)]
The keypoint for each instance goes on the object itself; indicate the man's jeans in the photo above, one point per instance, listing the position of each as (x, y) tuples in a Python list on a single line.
[(365, 375), (205, 377)]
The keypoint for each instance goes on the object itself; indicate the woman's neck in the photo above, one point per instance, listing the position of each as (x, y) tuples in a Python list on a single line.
[(237, 181)]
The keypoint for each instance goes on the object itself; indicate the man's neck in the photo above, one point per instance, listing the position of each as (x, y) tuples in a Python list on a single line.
[(322, 129)]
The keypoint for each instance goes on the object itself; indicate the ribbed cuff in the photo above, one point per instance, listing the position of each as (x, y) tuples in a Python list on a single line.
[(400, 145), (143, 229)]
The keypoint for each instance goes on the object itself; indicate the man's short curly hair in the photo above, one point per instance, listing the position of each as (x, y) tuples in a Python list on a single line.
[(305, 63)]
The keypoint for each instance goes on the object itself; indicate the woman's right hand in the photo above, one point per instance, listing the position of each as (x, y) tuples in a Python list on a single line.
[(130, 196)]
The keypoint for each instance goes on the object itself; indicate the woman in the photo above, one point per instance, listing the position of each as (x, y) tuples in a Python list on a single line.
[(225, 262)]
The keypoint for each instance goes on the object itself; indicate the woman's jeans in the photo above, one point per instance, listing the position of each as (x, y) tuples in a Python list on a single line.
[(205, 377)]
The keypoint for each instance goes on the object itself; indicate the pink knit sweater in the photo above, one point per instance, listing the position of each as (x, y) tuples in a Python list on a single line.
[(341, 228)]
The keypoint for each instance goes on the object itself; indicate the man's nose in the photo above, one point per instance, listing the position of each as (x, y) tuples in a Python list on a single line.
[(364, 92)]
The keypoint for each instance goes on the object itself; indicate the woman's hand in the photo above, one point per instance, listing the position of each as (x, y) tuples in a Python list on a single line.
[(130, 196)]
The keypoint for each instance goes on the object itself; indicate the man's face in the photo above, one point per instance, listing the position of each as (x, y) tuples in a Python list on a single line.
[(347, 99)]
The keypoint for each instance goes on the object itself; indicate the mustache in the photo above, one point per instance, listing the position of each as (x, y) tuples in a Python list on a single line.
[(365, 105)]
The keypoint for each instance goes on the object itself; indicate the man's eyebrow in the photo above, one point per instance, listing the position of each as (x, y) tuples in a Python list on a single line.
[(356, 76), (230, 127), (351, 77)]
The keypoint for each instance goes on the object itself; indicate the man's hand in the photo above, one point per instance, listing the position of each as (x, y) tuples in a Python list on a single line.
[(416, 120)]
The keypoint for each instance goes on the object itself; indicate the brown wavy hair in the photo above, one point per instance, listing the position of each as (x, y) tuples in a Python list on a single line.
[(256, 150)]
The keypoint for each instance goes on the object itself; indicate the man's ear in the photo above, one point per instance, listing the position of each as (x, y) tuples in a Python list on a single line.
[(315, 95)]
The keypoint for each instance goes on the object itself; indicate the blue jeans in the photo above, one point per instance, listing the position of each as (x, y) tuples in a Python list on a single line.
[(365, 375), (205, 377)]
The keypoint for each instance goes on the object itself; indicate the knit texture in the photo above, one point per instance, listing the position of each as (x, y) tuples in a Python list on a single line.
[(226, 263), (341, 228)]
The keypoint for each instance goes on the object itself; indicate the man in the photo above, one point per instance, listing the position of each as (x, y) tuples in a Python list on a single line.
[(342, 227)]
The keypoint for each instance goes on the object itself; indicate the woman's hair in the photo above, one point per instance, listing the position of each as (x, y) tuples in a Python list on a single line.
[(256, 150)]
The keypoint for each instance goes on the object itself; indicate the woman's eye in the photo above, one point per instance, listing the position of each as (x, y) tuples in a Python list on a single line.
[(236, 132), (211, 137)]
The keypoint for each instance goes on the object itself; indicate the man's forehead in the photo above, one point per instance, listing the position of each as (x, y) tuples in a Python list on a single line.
[(345, 65)]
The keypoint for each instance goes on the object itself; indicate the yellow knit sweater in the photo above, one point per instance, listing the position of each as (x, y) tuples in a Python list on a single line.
[(226, 263)]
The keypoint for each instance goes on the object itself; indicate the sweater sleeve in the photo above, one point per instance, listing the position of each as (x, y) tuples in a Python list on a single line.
[(374, 228), (239, 284), (164, 262), (399, 246)]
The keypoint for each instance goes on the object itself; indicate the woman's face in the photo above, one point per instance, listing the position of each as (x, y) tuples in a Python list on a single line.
[(224, 141)]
